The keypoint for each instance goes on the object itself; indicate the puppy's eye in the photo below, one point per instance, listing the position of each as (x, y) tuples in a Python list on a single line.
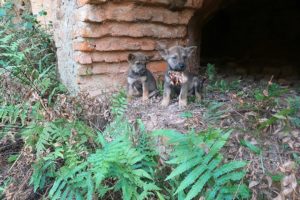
[(174, 57)]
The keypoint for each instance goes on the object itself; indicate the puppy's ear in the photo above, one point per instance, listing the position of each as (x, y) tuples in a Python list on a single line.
[(163, 51), (190, 50), (131, 57)]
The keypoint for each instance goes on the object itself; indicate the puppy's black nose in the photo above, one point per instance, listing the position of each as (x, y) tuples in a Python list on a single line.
[(182, 65)]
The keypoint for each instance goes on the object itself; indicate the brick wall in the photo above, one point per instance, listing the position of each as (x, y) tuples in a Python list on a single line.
[(94, 37)]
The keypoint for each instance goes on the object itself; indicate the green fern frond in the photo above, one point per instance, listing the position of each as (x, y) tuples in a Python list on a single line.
[(119, 103), (191, 177), (198, 186), (197, 161), (184, 166), (229, 167), (234, 176)]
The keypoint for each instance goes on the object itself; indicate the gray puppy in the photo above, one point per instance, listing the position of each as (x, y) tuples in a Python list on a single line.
[(177, 77)]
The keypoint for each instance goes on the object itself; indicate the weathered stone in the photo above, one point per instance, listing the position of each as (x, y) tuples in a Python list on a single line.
[(129, 29), (110, 57), (129, 12), (122, 44), (98, 84), (157, 67), (103, 68), (83, 46), (83, 58), (63, 24), (188, 4)]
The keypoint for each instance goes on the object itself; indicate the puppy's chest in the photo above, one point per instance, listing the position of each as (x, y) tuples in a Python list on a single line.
[(133, 79), (176, 79)]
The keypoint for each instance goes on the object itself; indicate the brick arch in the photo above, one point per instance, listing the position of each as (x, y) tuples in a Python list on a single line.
[(109, 30), (105, 31)]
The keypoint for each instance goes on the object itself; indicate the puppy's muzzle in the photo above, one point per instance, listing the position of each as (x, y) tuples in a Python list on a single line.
[(180, 67)]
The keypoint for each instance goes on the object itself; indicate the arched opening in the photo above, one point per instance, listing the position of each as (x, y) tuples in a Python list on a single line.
[(250, 37)]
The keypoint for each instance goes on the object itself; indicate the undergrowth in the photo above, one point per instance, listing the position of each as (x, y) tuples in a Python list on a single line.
[(74, 158), (221, 85), (198, 169)]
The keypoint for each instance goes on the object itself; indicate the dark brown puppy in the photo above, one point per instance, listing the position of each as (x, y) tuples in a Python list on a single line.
[(140, 80)]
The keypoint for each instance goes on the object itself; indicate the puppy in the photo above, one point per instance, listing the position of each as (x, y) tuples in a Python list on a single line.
[(140, 80), (177, 77)]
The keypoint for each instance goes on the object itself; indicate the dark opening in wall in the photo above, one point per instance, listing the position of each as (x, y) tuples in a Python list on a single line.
[(253, 37)]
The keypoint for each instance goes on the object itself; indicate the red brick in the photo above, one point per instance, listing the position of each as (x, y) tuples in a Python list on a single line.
[(83, 46), (119, 56), (189, 3), (98, 84), (103, 68), (83, 58), (123, 44), (157, 66), (130, 29), (129, 12)]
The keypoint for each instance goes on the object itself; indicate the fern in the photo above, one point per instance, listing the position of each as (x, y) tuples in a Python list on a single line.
[(219, 85), (27, 53), (117, 160), (288, 115), (214, 112), (119, 103), (211, 72), (13, 114), (54, 141), (200, 171), (128, 167), (145, 146), (294, 114)]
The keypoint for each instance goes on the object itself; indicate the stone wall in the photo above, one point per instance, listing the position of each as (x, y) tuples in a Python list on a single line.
[(94, 37), (61, 19)]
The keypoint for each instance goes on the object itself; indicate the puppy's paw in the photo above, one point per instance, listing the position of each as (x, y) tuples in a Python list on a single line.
[(164, 103), (145, 98), (129, 98)]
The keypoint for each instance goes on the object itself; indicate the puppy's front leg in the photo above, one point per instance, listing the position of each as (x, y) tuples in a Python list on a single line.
[(167, 95), (183, 95), (145, 91), (130, 92)]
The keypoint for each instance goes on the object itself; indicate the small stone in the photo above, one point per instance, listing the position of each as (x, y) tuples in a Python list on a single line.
[(281, 135), (286, 140), (297, 145), (295, 133)]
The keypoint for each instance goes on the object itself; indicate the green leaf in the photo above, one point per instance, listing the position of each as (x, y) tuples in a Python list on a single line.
[(28, 25), (198, 186), (168, 133), (229, 167), (251, 146), (12, 158), (191, 177), (183, 167), (90, 186), (234, 176), (186, 115), (278, 116), (2, 12), (211, 194)]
